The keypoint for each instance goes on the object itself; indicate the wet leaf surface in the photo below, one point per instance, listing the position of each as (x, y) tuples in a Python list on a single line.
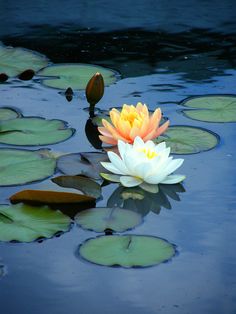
[(102, 218), (127, 250)]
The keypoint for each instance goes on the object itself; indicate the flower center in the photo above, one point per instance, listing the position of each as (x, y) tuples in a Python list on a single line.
[(148, 152), (132, 116)]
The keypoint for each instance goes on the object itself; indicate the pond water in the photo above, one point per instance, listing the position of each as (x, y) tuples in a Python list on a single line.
[(161, 64)]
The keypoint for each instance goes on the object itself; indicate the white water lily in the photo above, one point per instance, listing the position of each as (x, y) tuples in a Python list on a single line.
[(143, 164)]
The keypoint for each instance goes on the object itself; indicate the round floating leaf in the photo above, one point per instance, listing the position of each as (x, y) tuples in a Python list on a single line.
[(87, 186), (115, 219), (26, 223), (214, 108), (86, 164), (33, 131), (23, 166), (127, 250), (188, 140), (75, 75), (8, 113), (14, 61)]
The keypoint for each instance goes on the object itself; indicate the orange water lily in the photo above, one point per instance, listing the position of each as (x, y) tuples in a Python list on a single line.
[(131, 122)]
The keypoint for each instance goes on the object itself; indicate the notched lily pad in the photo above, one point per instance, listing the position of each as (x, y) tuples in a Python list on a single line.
[(115, 219), (26, 223), (33, 131), (24, 166), (8, 114), (127, 250), (85, 164), (75, 75), (188, 140), (87, 186), (14, 61), (212, 108)]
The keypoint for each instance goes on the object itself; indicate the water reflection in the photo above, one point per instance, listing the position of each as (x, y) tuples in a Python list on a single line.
[(142, 202)]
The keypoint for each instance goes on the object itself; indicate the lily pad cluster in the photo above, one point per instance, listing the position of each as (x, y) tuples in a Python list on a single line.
[(14, 61)]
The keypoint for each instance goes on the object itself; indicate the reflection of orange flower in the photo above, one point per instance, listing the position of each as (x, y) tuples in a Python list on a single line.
[(131, 122)]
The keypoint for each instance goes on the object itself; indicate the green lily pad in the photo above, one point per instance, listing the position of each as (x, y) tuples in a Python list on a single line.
[(213, 108), (127, 250), (24, 166), (33, 131), (8, 114), (14, 61), (26, 223), (115, 219), (75, 75), (86, 164), (87, 186), (188, 140)]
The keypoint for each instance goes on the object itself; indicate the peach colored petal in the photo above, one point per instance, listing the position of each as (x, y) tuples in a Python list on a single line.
[(124, 128), (162, 128), (134, 132), (104, 131), (115, 116), (108, 140), (144, 127), (155, 119), (149, 135)]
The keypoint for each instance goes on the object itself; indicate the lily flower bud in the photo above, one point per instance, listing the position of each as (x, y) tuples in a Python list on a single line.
[(95, 89)]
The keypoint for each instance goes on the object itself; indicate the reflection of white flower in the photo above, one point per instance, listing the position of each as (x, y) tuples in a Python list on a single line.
[(144, 164)]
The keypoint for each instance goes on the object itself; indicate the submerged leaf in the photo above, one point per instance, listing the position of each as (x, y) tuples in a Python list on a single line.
[(212, 108), (33, 131), (86, 164), (24, 166), (87, 186), (127, 250), (101, 218), (75, 75), (26, 223), (188, 140)]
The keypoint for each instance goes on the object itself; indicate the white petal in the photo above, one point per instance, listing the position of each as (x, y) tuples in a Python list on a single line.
[(160, 147), (173, 165), (110, 177), (129, 181), (138, 142), (156, 179), (122, 147), (117, 162), (141, 169), (110, 167), (131, 160), (151, 188), (172, 179)]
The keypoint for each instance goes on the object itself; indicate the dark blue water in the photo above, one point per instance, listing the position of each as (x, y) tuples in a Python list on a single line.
[(177, 50)]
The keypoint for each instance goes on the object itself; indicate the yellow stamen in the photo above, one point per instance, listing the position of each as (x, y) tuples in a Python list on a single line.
[(148, 152)]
